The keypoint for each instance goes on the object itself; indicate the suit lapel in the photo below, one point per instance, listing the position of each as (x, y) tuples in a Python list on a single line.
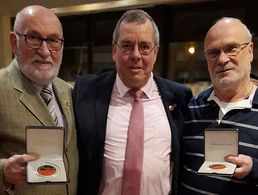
[(103, 96), (37, 108), (168, 99), (65, 105), (32, 102)]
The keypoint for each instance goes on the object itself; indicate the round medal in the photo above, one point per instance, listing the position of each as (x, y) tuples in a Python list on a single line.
[(217, 166), (46, 170)]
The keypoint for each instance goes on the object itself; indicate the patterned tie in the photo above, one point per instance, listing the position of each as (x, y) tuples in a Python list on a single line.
[(46, 94), (134, 147)]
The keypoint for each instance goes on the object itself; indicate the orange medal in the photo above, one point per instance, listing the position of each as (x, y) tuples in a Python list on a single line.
[(217, 166), (46, 170)]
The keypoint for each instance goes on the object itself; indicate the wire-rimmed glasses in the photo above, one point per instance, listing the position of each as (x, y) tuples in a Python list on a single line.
[(143, 48), (231, 49)]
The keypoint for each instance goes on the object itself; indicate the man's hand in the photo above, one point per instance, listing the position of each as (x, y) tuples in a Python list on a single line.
[(14, 168), (244, 165)]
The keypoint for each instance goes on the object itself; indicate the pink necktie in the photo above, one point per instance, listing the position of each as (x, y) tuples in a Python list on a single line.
[(134, 147)]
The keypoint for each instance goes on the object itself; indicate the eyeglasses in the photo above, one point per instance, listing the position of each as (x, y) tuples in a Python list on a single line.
[(231, 50), (144, 48), (35, 42)]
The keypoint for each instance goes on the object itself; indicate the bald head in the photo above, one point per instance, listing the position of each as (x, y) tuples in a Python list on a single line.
[(37, 30), (226, 27), (229, 53), (36, 13)]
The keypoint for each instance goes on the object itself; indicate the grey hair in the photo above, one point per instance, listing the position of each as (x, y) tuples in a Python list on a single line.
[(224, 19), (139, 16)]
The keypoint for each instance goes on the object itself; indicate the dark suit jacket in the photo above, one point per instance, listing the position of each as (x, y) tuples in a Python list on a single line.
[(20, 106), (91, 97)]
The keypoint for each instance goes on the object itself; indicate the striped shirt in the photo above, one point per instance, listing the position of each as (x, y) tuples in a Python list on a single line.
[(204, 113)]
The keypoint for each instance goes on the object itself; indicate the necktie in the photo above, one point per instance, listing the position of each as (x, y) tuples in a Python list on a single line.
[(134, 147), (46, 94)]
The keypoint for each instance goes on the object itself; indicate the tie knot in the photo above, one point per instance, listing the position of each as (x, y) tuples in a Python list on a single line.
[(136, 93), (46, 94)]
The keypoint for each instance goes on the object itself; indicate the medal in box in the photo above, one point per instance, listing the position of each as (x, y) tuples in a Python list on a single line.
[(219, 143), (48, 142)]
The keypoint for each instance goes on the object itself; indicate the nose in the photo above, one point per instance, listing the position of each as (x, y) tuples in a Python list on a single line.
[(43, 49), (223, 58), (135, 54)]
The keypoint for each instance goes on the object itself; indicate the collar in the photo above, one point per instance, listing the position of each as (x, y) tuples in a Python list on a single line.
[(242, 104), (37, 88), (123, 89)]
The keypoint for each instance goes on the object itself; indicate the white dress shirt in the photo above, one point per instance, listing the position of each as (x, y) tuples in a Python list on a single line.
[(156, 176)]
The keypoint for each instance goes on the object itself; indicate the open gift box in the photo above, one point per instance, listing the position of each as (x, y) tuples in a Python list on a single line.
[(48, 142), (219, 143)]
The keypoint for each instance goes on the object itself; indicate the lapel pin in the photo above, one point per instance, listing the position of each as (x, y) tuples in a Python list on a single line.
[(67, 104), (172, 107)]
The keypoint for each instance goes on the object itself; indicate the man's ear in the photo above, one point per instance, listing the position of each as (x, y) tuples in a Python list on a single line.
[(13, 41), (157, 49), (114, 52), (251, 49)]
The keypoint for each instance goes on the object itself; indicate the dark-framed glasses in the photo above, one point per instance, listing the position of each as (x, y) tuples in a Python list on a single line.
[(143, 48), (231, 50), (35, 42)]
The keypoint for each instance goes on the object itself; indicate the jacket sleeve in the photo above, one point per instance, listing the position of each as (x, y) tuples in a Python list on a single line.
[(253, 175), (5, 190)]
